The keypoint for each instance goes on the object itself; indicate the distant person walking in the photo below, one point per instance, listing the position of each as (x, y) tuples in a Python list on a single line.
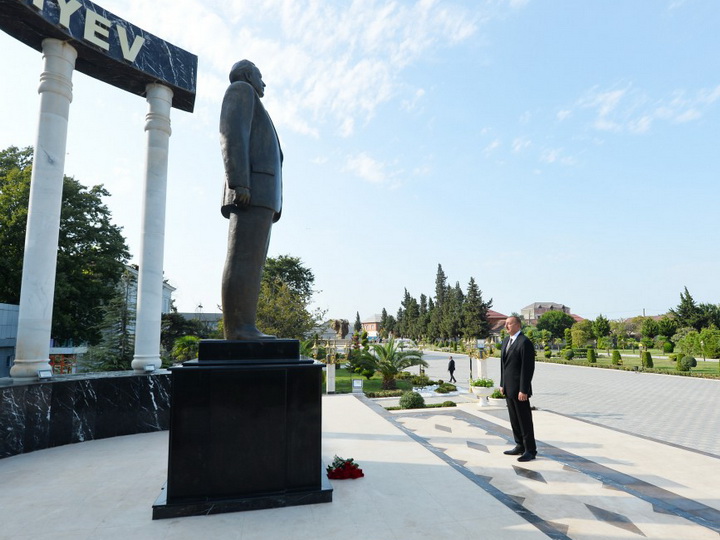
[(451, 369), (517, 366)]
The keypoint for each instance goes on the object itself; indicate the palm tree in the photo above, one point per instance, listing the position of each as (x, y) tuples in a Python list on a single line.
[(389, 361)]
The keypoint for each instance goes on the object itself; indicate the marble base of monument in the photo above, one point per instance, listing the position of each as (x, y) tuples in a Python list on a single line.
[(245, 432)]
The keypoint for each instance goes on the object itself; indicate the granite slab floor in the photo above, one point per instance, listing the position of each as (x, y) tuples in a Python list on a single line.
[(435, 474)]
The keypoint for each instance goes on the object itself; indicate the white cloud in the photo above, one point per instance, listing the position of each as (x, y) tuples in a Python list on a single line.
[(520, 144), (562, 115), (367, 168), (326, 63), (490, 148), (631, 110)]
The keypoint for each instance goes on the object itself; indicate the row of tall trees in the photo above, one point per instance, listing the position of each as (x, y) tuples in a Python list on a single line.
[(451, 313)]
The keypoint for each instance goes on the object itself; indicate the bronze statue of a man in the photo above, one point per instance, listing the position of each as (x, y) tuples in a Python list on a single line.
[(252, 198)]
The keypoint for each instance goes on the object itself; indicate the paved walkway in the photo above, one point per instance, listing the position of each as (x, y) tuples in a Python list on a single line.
[(674, 409), (430, 474)]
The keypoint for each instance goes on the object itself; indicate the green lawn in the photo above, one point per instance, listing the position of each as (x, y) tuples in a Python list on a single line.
[(659, 364), (343, 382)]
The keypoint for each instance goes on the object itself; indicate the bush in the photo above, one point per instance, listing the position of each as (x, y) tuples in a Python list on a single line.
[(497, 394), (616, 358), (591, 356), (686, 363), (412, 400), (668, 347), (548, 352), (444, 388), (646, 359), (568, 354), (580, 352), (448, 404), (420, 381), (486, 383)]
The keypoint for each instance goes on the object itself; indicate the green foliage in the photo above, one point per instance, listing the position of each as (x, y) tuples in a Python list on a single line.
[(115, 350), (649, 328), (484, 383), (601, 327), (91, 250), (389, 361), (616, 358), (567, 334), (412, 400), (582, 333), (185, 348), (555, 322), (444, 388), (497, 394), (420, 381), (568, 354), (646, 359), (668, 346), (290, 270), (358, 324), (686, 363), (283, 312), (174, 326), (547, 351), (591, 356), (448, 404)]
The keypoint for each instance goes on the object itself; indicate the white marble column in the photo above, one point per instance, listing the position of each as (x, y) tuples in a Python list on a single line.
[(150, 278), (43, 224)]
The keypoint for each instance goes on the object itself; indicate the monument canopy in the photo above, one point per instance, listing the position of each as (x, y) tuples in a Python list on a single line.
[(109, 48)]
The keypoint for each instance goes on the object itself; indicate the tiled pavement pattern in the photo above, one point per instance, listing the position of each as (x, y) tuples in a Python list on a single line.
[(674, 409), (567, 495)]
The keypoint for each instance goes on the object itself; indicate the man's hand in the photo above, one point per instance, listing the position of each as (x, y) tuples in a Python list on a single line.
[(242, 196), (522, 397)]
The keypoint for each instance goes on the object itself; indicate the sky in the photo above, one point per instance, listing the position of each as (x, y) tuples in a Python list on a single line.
[(554, 150)]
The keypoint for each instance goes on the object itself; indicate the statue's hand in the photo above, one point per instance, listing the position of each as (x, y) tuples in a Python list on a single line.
[(242, 196)]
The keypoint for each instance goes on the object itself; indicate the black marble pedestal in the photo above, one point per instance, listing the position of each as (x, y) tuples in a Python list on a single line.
[(245, 431)]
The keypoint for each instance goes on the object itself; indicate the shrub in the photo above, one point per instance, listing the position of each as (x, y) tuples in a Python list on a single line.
[(685, 363), (486, 383), (646, 359), (568, 354), (412, 400), (497, 394), (420, 380), (580, 352), (668, 347), (616, 358), (591, 356), (444, 388), (448, 404), (548, 352)]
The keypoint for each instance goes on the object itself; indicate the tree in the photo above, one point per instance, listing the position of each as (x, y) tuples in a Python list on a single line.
[(283, 312), (185, 348), (115, 350), (291, 271), (667, 326), (475, 313), (687, 312), (555, 322), (91, 250), (174, 326), (386, 359), (582, 332), (358, 325), (649, 328), (601, 327)]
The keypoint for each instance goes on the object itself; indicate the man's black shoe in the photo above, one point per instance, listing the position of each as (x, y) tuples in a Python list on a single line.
[(527, 456), (515, 451)]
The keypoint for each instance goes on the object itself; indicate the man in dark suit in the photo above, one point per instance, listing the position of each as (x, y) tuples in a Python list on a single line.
[(517, 365), (252, 198)]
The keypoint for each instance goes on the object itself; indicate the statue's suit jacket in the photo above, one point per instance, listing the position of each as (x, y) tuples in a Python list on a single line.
[(251, 150), (517, 366)]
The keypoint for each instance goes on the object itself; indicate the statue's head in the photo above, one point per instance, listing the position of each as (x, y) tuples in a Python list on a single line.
[(246, 71)]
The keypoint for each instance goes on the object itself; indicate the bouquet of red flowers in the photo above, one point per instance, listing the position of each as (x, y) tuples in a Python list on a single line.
[(343, 468)]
